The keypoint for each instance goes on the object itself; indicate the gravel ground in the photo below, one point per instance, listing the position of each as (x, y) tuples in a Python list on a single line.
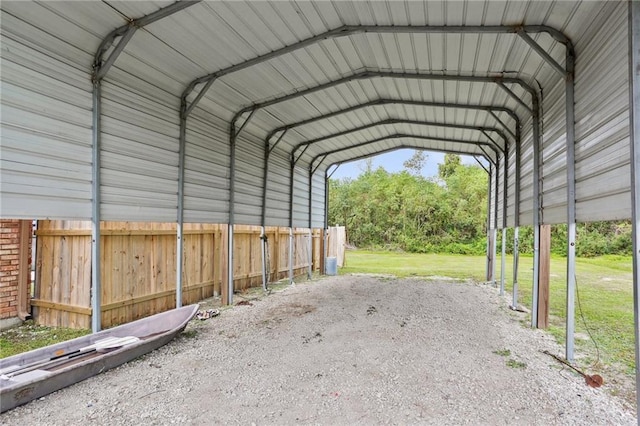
[(344, 350)]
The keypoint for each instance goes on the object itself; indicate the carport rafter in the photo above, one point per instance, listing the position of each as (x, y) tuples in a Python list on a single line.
[(396, 121), (410, 136), (405, 146), (384, 101), (348, 30)]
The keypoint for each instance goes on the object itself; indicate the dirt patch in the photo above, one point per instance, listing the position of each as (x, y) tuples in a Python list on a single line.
[(344, 350)]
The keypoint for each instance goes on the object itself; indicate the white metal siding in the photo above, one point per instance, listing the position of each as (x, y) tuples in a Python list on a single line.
[(318, 200), (249, 175), (602, 122), (301, 197), (139, 154), (500, 192), (45, 152), (278, 190), (554, 154), (511, 187), (206, 189), (492, 210)]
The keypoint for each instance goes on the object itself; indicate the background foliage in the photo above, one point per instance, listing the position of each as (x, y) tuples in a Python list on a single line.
[(444, 214)]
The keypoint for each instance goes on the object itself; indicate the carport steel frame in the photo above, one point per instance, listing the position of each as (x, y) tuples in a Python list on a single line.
[(125, 33)]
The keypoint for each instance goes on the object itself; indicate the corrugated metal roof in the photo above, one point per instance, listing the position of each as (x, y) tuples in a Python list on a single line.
[(164, 57)]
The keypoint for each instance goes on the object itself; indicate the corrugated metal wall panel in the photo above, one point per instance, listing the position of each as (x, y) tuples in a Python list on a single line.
[(139, 155), (206, 177), (45, 155), (500, 192), (511, 187), (526, 179), (301, 197), (278, 189), (318, 200), (492, 209), (249, 175), (554, 157), (602, 126)]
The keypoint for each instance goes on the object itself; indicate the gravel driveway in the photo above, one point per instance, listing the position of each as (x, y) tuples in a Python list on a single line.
[(344, 350)]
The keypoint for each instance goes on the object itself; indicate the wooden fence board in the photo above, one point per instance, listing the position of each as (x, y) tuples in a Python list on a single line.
[(138, 267)]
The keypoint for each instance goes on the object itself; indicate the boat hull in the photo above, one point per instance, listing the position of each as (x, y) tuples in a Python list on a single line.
[(154, 332)]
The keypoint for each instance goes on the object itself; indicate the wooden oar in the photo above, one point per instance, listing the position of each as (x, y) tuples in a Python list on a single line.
[(98, 346)]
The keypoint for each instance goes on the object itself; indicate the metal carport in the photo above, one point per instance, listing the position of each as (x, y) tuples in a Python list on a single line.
[(232, 112)]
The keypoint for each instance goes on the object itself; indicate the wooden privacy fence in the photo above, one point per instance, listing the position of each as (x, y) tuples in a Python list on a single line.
[(138, 267), (336, 242)]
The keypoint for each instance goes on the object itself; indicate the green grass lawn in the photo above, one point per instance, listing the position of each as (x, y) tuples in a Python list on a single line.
[(604, 285)]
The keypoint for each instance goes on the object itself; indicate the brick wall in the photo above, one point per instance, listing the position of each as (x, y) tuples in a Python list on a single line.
[(9, 267)]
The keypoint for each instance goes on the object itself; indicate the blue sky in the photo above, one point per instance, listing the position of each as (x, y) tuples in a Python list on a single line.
[(392, 162)]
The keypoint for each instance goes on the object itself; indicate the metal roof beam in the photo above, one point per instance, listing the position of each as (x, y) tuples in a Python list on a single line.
[(404, 135), (499, 120), (480, 163), (369, 74), (489, 108), (402, 146), (535, 46), (400, 121), (349, 30), (126, 32), (515, 97)]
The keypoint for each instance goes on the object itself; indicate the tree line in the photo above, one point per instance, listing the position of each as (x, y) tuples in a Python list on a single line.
[(443, 214)]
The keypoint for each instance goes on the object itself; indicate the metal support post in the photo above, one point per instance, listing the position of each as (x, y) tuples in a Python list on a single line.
[(291, 257), (571, 204), (489, 260), (494, 255), (503, 254), (495, 222), (516, 221), (180, 233), (96, 287), (233, 136), (516, 255), (537, 211), (310, 272), (505, 184), (634, 112), (263, 243)]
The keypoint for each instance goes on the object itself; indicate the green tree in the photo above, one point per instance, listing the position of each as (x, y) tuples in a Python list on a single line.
[(416, 163), (451, 163)]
